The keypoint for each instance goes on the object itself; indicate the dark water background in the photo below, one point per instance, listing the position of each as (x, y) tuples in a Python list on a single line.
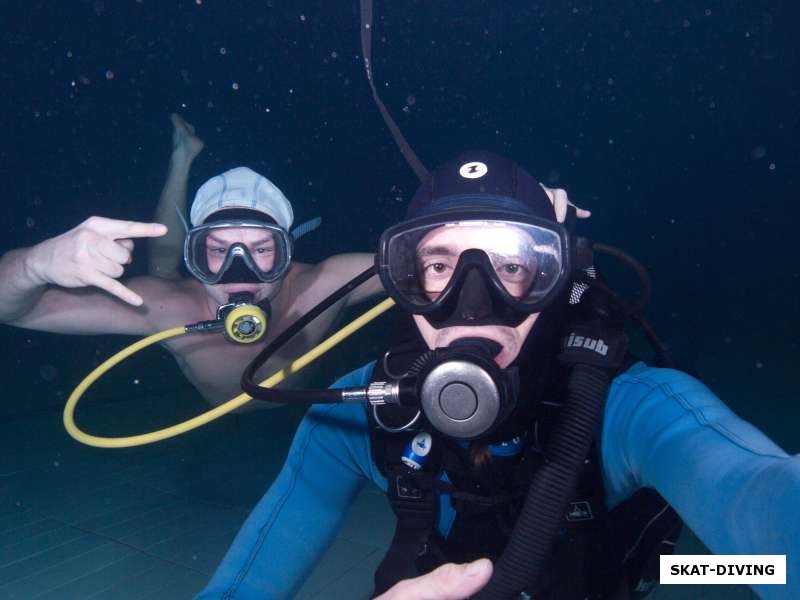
[(675, 122)]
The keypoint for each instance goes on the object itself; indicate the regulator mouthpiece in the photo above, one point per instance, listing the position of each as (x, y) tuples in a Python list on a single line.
[(463, 393), (245, 322)]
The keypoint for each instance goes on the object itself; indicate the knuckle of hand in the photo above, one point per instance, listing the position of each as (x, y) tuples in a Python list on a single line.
[(81, 255), (85, 237)]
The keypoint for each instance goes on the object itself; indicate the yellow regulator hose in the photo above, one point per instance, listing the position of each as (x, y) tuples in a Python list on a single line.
[(208, 416)]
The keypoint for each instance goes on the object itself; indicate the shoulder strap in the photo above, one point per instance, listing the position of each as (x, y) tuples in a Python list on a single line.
[(416, 508), (411, 494), (641, 529)]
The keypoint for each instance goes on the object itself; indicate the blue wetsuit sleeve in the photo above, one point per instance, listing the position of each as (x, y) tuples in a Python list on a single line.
[(295, 521), (732, 485)]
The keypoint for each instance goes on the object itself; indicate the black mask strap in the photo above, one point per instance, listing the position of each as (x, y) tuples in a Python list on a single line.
[(366, 51)]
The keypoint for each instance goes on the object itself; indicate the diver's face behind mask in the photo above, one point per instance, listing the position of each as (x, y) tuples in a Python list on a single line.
[(475, 275), (241, 256)]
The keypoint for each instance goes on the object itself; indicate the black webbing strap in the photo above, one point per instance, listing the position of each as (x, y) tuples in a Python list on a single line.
[(416, 508), (366, 50)]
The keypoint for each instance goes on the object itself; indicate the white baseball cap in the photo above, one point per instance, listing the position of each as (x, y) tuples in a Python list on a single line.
[(241, 188)]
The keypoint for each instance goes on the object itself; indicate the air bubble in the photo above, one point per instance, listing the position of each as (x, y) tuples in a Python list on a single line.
[(758, 152)]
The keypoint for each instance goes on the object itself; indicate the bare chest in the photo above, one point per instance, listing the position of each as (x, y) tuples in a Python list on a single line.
[(214, 365)]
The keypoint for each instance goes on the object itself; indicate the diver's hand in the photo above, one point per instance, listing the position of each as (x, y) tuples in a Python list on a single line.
[(92, 254), (560, 201), (448, 582)]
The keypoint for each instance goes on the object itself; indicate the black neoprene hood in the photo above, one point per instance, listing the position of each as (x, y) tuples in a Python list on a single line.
[(478, 179)]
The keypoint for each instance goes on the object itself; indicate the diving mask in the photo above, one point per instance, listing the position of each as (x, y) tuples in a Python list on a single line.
[(238, 251), (507, 264)]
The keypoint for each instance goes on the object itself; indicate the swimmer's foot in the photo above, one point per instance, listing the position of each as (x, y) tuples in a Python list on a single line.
[(185, 144)]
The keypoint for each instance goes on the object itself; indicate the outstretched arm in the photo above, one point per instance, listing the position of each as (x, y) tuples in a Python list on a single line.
[(297, 519), (93, 254), (332, 273), (732, 485)]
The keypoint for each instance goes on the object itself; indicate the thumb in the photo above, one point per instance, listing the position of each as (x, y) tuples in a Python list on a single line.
[(448, 582), (463, 580)]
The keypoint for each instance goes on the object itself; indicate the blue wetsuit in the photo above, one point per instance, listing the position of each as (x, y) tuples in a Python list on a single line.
[(663, 429)]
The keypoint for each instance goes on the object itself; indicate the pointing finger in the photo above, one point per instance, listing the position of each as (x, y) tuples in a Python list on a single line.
[(117, 228), (135, 229)]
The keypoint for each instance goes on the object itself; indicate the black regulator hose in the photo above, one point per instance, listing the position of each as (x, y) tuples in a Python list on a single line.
[(637, 267), (529, 548), (326, 396), (635, 312)]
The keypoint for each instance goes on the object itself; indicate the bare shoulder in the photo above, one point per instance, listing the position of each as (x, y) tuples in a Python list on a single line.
[(315, 282), (340, 268), (87, 310)]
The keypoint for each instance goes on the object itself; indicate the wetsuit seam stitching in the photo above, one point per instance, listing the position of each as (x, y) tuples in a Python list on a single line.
[(698, 414)]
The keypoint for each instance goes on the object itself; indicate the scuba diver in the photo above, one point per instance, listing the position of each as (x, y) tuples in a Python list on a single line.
[(508, 420), (239, 249)]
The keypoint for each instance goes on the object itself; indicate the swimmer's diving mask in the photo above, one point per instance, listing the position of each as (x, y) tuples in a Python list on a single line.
[(238, 251)]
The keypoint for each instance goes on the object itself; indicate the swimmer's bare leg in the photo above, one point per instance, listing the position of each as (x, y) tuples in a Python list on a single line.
[(165, 253)]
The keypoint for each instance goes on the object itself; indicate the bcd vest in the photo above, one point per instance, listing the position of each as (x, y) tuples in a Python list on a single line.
[(598, 553)]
